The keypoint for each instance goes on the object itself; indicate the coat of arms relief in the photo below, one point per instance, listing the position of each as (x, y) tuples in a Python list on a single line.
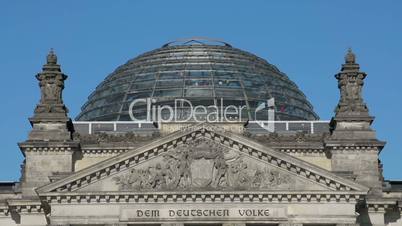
[(204, 165)]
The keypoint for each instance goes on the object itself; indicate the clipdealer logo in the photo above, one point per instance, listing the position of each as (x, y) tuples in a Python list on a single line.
[(201, 113)]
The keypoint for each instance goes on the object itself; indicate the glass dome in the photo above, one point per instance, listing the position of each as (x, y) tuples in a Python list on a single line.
[(204, 72)]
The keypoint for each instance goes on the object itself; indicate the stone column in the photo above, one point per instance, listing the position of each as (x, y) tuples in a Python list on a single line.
[(290, 224)]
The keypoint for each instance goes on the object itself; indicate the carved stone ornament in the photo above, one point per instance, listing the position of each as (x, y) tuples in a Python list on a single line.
[(202, 164), (350, 84), (51, 83)]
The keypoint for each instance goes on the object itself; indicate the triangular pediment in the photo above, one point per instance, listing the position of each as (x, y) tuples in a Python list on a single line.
[(202, 158)]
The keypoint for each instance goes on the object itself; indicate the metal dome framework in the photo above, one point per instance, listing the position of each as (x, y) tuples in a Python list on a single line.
[(202, 73)]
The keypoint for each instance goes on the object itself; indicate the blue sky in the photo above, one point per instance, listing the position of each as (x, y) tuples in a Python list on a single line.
[(305, 39)]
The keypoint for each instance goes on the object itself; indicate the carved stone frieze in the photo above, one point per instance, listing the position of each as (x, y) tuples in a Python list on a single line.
[(202, 164)]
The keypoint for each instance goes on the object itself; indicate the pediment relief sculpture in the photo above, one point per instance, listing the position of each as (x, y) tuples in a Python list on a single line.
[(203, 164)]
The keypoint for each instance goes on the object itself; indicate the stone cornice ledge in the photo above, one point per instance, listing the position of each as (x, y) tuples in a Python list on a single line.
[(22, 206), (381, 204), (49, 147), (354, 144), (204, 197), (109, 151)]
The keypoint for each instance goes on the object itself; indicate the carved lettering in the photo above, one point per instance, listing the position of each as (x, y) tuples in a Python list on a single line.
[(191, 213), (147, 213), (254, 212)]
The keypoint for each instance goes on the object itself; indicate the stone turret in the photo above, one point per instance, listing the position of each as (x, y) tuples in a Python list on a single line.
[(49, 149), (352, 119), (353, 144), (50, 121)]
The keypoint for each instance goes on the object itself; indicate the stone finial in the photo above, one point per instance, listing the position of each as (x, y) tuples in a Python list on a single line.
[(350, 57), (350, 64), (51, 57), (351, 113), (350, 84), (51, 83), (50, 109)]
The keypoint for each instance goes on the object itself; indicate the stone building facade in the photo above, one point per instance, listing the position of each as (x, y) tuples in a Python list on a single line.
[(223, 173)]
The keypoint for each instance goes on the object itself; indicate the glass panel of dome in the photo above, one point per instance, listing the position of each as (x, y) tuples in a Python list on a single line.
[(143, 85), (97, 103), (111, 90), (106, 100), (233, 102), (253, 83), (114, 98), (223, 67), (198, 83), (202, 102), (195, 66), (198, 74), (178, 54), (93, 113), (169, 83), (168, 93), (171, 75), (147, 69), (140, 114), (141, 105), (109, 109), (256, 93), (124, 77), (145, 77), (137, 109), (173, 67), (137, 95), (198, 92), (255, 103), (234, 93), (225, 75), (129, 127), (227, 83)]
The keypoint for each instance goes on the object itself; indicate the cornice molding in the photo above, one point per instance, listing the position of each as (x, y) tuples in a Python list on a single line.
[(202, 197)]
